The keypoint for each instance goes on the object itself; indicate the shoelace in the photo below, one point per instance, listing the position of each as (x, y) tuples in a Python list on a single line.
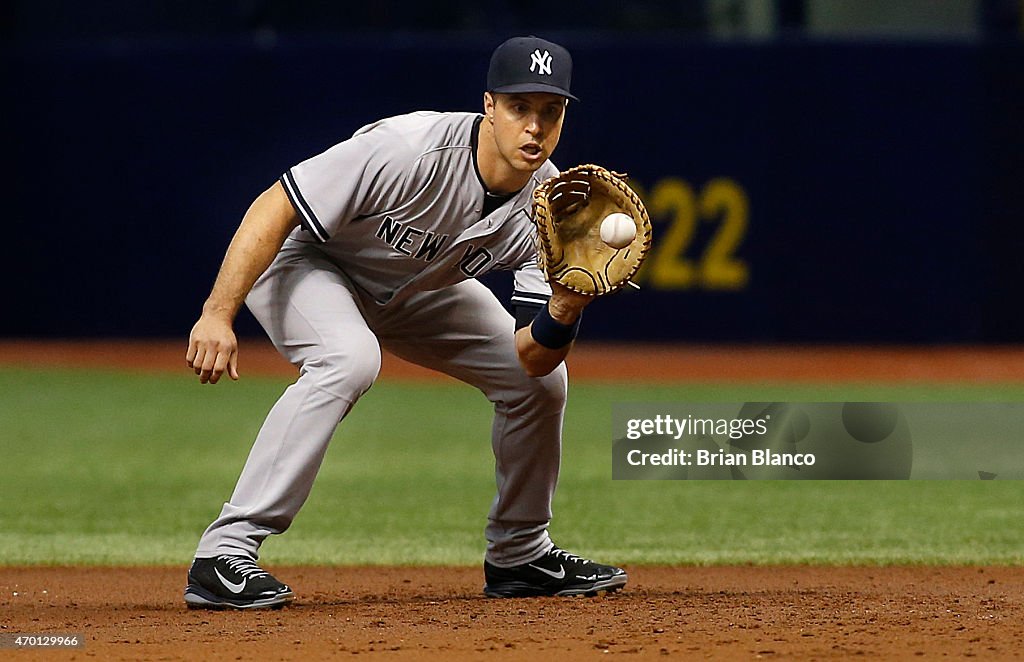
[(572, 558), (243, 566)]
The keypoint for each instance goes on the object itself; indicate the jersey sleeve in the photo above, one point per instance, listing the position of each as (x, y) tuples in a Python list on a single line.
[(360, 176), (531, 291)]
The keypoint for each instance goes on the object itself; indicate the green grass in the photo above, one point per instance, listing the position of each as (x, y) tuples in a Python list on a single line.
[(111, 468)]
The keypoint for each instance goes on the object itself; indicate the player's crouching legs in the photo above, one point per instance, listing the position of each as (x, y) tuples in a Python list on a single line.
[(527, 450), (521, 559)]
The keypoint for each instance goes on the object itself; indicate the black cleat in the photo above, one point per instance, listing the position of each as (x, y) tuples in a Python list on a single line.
[(233, 582), (556, 573)]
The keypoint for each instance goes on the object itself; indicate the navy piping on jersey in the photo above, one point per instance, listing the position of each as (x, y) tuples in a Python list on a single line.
[(529, 298), (474, 143), (526, 305), (491, 200), (309, 219)]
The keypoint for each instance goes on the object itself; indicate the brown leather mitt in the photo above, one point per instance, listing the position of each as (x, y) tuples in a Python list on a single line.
[(568, 210)]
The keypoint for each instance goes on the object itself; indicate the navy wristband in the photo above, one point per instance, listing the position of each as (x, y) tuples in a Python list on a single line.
[(551, 333)]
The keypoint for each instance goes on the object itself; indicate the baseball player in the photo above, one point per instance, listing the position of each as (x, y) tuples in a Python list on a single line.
[(377, 242)]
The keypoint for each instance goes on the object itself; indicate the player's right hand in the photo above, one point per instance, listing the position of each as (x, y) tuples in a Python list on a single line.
[(212, 349)]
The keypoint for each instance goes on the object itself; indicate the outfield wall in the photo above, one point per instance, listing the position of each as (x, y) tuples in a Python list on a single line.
[(864, 192)]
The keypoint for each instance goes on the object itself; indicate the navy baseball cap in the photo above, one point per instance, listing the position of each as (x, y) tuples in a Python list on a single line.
[(530, 64)]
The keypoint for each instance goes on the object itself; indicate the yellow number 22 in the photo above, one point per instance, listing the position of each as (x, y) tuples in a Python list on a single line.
[(721, 200)]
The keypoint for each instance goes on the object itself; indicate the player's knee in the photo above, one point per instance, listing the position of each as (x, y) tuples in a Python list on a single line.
[(549, 392), (347, 375), (357, 372)]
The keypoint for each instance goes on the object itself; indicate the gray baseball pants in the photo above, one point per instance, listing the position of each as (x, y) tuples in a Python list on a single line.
[(333, 334)]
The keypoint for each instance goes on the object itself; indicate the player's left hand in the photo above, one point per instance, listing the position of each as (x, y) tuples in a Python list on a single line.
[(566, 305)]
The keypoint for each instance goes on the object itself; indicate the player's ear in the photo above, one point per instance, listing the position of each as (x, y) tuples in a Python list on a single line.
[(489, 106)]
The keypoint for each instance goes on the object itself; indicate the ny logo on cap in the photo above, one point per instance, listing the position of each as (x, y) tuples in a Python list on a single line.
[(541, 62)]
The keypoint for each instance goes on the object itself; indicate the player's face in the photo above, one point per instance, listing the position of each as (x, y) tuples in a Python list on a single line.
[(527, 126)]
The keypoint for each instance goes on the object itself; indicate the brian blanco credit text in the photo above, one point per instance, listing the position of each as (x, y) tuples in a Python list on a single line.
[(734, 428), (720, 458)]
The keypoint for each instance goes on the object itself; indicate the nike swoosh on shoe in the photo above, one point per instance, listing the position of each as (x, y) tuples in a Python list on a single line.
[(234, 588), (557, 575)]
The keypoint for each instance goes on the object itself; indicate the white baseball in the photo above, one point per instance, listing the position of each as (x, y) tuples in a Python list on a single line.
[(618, 230)]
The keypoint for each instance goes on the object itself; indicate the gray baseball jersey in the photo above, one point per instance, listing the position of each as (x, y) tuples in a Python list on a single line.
[(395, 228), (398, 209)]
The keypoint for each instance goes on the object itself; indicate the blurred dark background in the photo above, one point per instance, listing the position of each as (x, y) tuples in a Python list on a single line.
[(50, 19), (817, 170)]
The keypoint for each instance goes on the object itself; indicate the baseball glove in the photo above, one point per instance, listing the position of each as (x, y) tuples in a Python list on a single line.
[(568, 209)]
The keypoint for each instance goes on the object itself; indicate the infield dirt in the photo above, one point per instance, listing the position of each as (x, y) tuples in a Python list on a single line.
[(440, 613)]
